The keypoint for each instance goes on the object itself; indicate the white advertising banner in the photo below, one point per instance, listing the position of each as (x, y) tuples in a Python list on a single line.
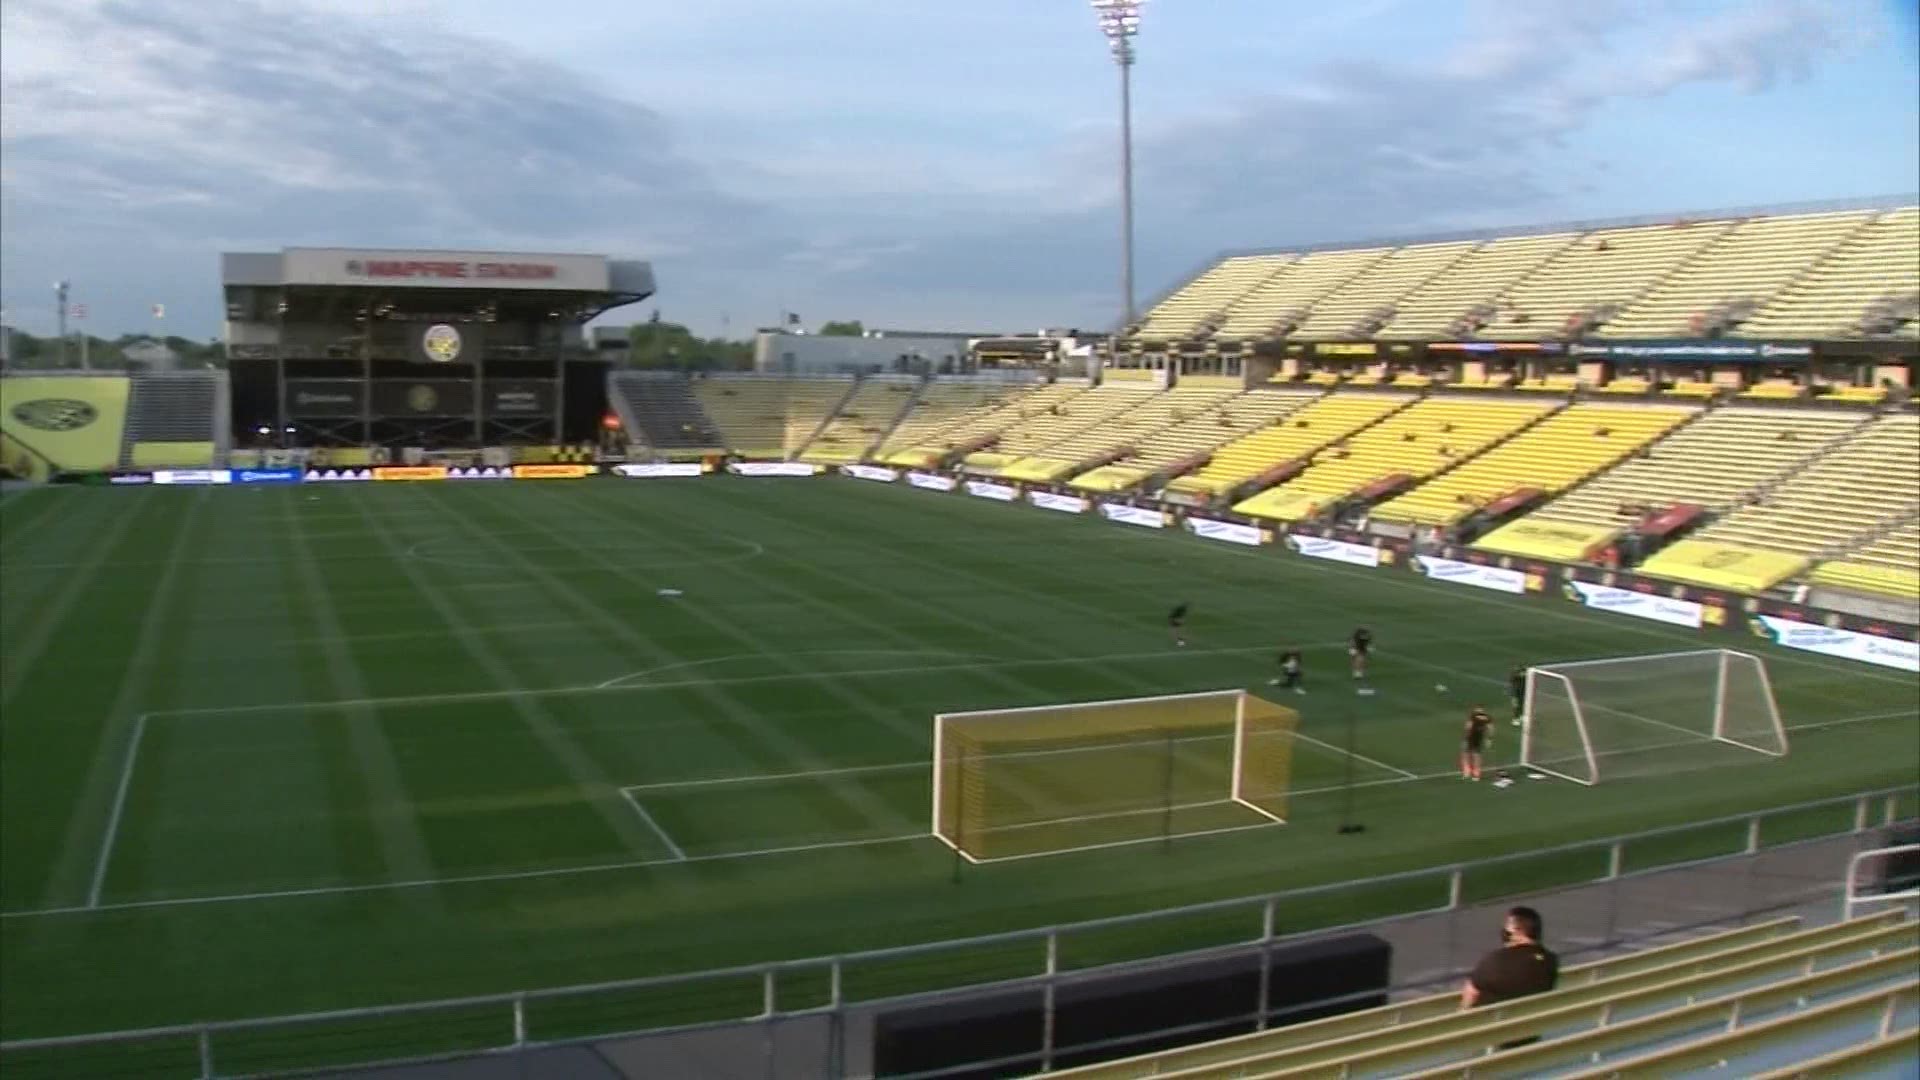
[(1638, 604), (649, 470), (871, 472), (1335, 550), (329, 476), (1069, 504), (997, 492), (1229, 531), (1846, 644), (931, 481), (1134, 515), (444, 269), (1480, 577), (192, 476), (772, 468)]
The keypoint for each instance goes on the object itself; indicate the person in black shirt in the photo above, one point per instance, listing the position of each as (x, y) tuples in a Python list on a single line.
[(1362, 645), (1177, 621), (1474, 742), (1519, 968), (1517, 689), (1289, 672)]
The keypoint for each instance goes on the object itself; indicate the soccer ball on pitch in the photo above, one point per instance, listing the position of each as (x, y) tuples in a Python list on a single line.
[(1439, 688)]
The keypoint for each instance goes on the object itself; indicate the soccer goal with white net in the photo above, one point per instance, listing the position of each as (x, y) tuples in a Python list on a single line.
[(1015, 783), (1591, 720)]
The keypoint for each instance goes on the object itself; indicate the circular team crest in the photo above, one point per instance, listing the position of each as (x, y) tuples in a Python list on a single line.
[(55, 414), (422, 399), (441, 343)]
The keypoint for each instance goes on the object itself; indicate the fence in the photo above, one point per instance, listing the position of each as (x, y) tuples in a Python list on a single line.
[(830, 1000)]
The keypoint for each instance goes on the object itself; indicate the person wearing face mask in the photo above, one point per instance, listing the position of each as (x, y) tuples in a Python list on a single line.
[(1520, 967)]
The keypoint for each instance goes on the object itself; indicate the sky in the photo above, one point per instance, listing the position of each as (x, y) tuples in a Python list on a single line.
[(907, 163)]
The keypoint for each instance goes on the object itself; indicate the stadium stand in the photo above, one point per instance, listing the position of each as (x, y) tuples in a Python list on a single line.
[(1045, 427), (1719, 461), (982, 428), (770, 416), (1314, 421), (1867, 287), (1461, 297), (1370, 302), (1549, 457), (72, 423), (1889, 565), (1123, 433), (863, 420), (1860, 489), (172, 420), (1183, 445), (1279, 304), (1430, 436), (1765, 995), (1734, 277), (1590, 280), (945, 403), (663, 413), (1195, 309)]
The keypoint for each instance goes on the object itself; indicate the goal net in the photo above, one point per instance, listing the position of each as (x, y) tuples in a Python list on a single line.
[(1011, 783), (1638, 715)]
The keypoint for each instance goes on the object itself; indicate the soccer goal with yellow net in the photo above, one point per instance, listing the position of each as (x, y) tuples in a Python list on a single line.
[(1016, 783)]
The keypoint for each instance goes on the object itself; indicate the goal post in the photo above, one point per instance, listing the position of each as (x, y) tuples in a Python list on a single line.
[(1014, 783), (1626, 716)]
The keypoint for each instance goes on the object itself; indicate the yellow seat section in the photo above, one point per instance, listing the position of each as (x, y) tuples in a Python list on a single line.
[(1195, 432), (1560, 541), (1856, 395), (1165, 429), (1627, 384), (1844, 294), (172, 455), (769, 416), (1724, 566), (1092, 412), (1452, 303), (1774, 390), (1903, 582), (1594, 276), (1719, 461), (1417, 442), (1280, 303), (73, 422), (1364, 305), (1195, 309), (1553, 455), (1861, 487), (1307, 428), (988, 422), (862, 420), (1743, 269), (947, 405)]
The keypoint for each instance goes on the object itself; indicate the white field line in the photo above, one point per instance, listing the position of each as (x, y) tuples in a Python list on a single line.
[(666, 839), (623, 680), (119, 806), (571, 871), (774, 778), (1344, 752)]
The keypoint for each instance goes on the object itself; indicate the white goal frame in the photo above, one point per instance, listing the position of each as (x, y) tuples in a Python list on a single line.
[(1233, 795), (1555, 672)]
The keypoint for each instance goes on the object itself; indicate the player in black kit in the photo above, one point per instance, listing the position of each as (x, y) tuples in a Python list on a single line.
[(1474, 742), (1177, 621), (1289, 672), (1361, 646)]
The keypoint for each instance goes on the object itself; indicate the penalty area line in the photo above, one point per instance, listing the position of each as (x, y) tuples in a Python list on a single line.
[(679, 855)]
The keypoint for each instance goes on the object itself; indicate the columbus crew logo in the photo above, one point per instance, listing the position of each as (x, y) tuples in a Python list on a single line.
[(422, 399), (441, 343), (55, 414)]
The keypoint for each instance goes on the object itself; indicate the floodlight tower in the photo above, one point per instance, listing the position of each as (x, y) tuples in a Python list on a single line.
[(60, 307), (1120, 21)]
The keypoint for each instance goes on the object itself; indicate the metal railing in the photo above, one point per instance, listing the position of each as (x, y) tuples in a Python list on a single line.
[(1855, 898), (837, 988)]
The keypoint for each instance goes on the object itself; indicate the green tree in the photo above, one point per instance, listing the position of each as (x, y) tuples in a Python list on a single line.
[(851, 328)]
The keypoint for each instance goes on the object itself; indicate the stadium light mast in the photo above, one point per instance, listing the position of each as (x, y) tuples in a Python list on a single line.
[(60, 307), (1120, 22)]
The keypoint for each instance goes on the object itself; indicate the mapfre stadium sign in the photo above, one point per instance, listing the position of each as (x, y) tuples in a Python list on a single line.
[(444, 269)]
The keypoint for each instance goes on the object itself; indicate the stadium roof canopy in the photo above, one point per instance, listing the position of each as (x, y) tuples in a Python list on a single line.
[(574, 288)]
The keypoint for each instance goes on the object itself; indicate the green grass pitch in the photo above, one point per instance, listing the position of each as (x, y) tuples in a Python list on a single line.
[(402, 742)]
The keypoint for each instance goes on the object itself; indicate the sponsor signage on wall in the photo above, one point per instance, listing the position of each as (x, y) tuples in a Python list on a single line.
[(1067, 504), (1319, 547), (1696, 350), (1638, 604), (326, 397), (192, 476), (1134, 515), (871, 472), (1846, 644), (1229, 531), (651, 470), (931, 481), (332, 476), (772, 468), (552, 472), (130, 478), (443, 269), (410, 472), (1496, 578), (508, 398), (266, 476), (997, 492)]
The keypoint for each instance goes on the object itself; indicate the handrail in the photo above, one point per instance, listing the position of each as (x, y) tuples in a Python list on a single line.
[(836, 964), (1853, 878)]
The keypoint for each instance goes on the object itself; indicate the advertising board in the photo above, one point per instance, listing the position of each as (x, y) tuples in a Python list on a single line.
[(871, 472), (931, 481), (325, 397), (411, 472), (192, 476), (552, 472), (497, 270), (266, 476), (1134, 515), (1846, 644), (996, 492), (1638, 604), (423, 397), (772, 468), (119, 479), (1229, 531), (1319, 547), (334, 476), (1066, 504), (1466, 573), (509, 398), (483, 472), (654, 469)]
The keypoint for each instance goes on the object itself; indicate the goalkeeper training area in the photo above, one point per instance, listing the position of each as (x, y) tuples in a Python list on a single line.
[(273, 750)]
